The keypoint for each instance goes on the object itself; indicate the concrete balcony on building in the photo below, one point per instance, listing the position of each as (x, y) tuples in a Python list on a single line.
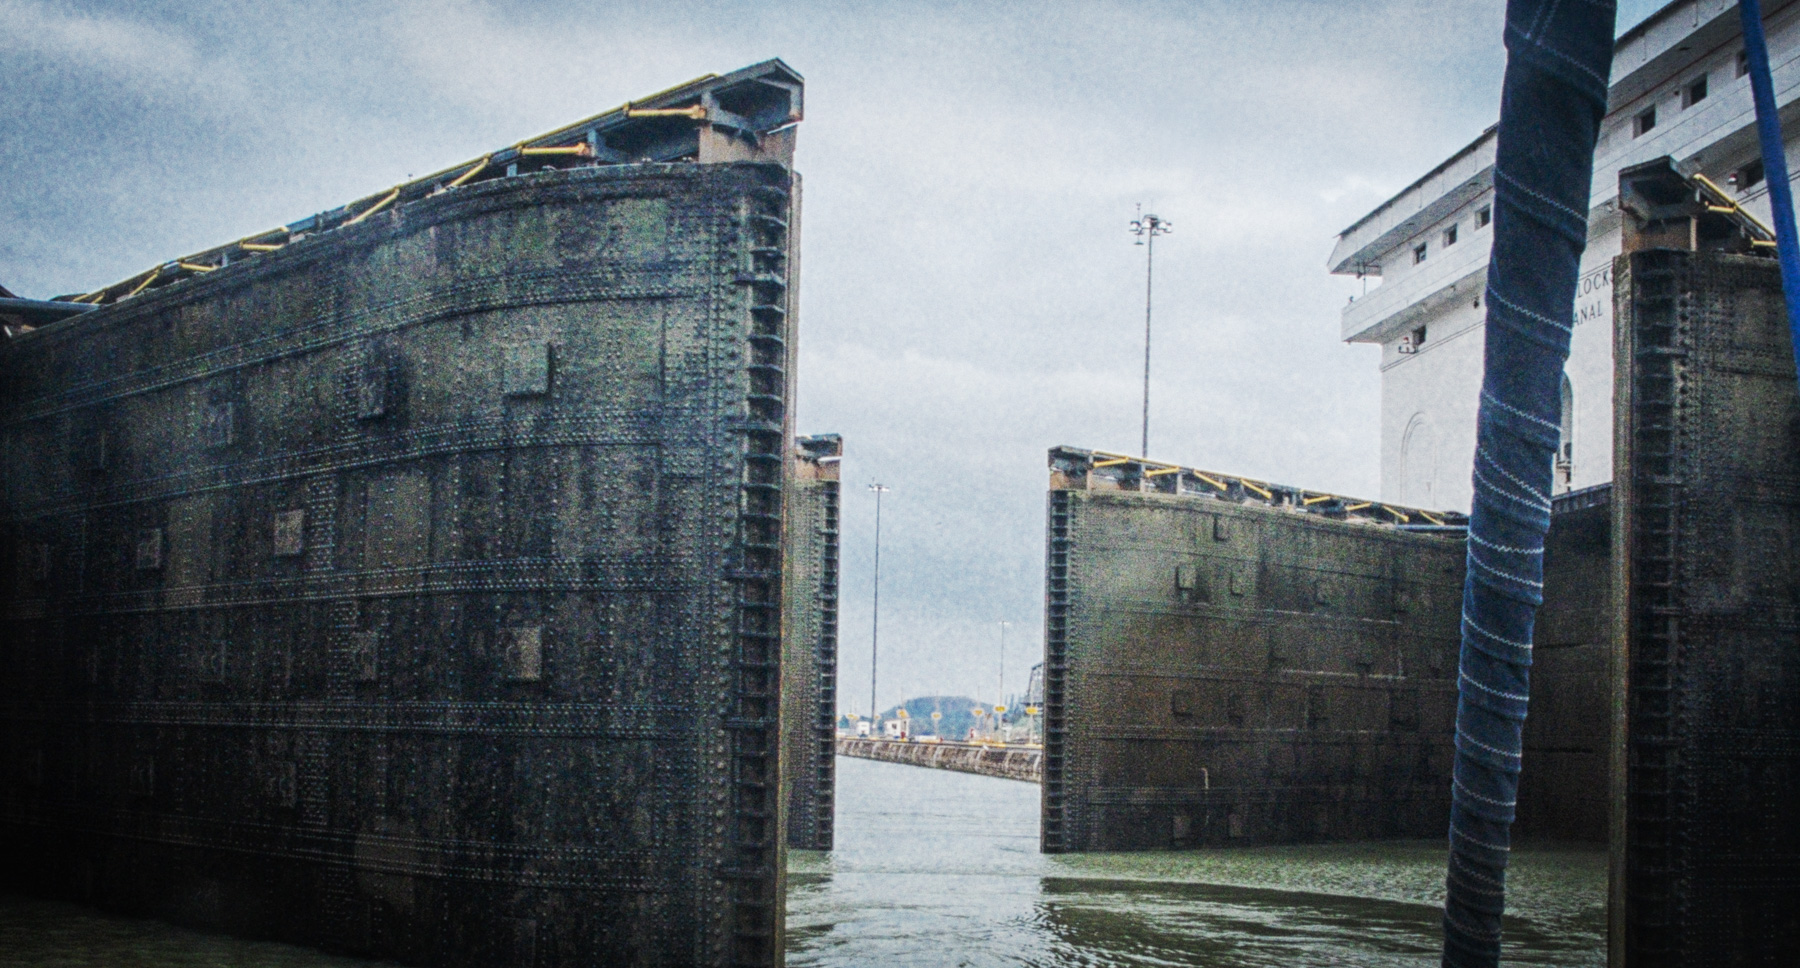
[(1456, 272)]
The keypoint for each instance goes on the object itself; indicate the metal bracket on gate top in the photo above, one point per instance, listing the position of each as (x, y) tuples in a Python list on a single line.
[(747, 115), (1664, 209), (1076, 469)]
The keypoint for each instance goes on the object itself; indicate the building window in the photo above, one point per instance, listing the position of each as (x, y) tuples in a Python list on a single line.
[(1743, 63), (1418, 253), (1644, 123), (1450, 236), (1410, 343), (1694, 93), (1483, 216), (1748, 177)]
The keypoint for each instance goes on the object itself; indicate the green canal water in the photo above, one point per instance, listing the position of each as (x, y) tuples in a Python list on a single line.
[(941, 869)]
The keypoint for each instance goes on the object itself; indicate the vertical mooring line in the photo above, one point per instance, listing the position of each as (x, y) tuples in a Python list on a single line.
[(1775, 169), (1559, 58)]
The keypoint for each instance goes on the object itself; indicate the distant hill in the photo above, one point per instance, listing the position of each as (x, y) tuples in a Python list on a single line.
[(954, 725), (956, 721)]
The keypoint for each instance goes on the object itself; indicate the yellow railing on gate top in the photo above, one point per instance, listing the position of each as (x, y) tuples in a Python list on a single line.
[(1126, 468)]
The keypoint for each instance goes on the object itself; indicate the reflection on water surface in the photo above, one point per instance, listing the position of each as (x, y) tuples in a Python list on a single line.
[(48, 934), (939, 869)]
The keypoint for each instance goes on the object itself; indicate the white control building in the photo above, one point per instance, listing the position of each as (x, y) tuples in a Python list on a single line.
[(1679, 88)]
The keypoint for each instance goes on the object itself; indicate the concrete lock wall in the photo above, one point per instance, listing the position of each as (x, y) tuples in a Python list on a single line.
[(1006, 762), (809, 643), (1706, 841), (1224, 666), (1231, 672), (413, 590), (1563, 793)]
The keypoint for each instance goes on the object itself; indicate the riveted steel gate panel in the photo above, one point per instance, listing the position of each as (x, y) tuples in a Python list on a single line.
[(1237, 662), (1563, 789), (1235, 670), (809, 661), (1706, 516), (414, 589)]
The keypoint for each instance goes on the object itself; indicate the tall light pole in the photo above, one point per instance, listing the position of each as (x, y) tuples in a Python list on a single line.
[(1003, 626), (1147, 228), (875, 622)]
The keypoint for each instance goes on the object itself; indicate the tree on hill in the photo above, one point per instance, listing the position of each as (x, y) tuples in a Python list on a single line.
[(956, 709), (954, 725)]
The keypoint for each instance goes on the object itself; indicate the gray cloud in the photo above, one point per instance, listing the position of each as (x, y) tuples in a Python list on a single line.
[(970, 295)]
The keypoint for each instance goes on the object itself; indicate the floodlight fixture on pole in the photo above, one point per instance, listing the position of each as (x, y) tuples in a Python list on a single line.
[(875, 611), (1147, 228)]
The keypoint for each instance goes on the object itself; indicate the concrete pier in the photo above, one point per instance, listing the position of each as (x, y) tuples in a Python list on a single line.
[(1006, 762)]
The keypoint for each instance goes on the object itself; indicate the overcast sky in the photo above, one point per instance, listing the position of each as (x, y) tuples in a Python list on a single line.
[(970, 297)]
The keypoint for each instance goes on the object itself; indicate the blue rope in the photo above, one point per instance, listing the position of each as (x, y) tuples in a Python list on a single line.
[(1775, 169), (1558, 65)]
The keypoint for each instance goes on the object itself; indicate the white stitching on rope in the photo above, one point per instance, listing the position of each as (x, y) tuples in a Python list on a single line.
[(1545, 16), (1498, 803), (1489, 891), (1474, 932), (1472, 872), (1542, 499), (1479, 843), (1464, 676), (1485, 633), (1509, 408), (1527, 313), (1583, 68), (1514, 183), (1498, 491), (1502, 573), (1504, 548), (1497, 752)]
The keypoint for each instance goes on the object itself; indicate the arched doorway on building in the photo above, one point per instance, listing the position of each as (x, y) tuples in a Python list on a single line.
[(1418, 464)]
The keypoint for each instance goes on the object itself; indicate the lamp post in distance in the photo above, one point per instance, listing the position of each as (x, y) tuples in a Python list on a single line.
[(1147, 228), (875, 621), (1002, 697)]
